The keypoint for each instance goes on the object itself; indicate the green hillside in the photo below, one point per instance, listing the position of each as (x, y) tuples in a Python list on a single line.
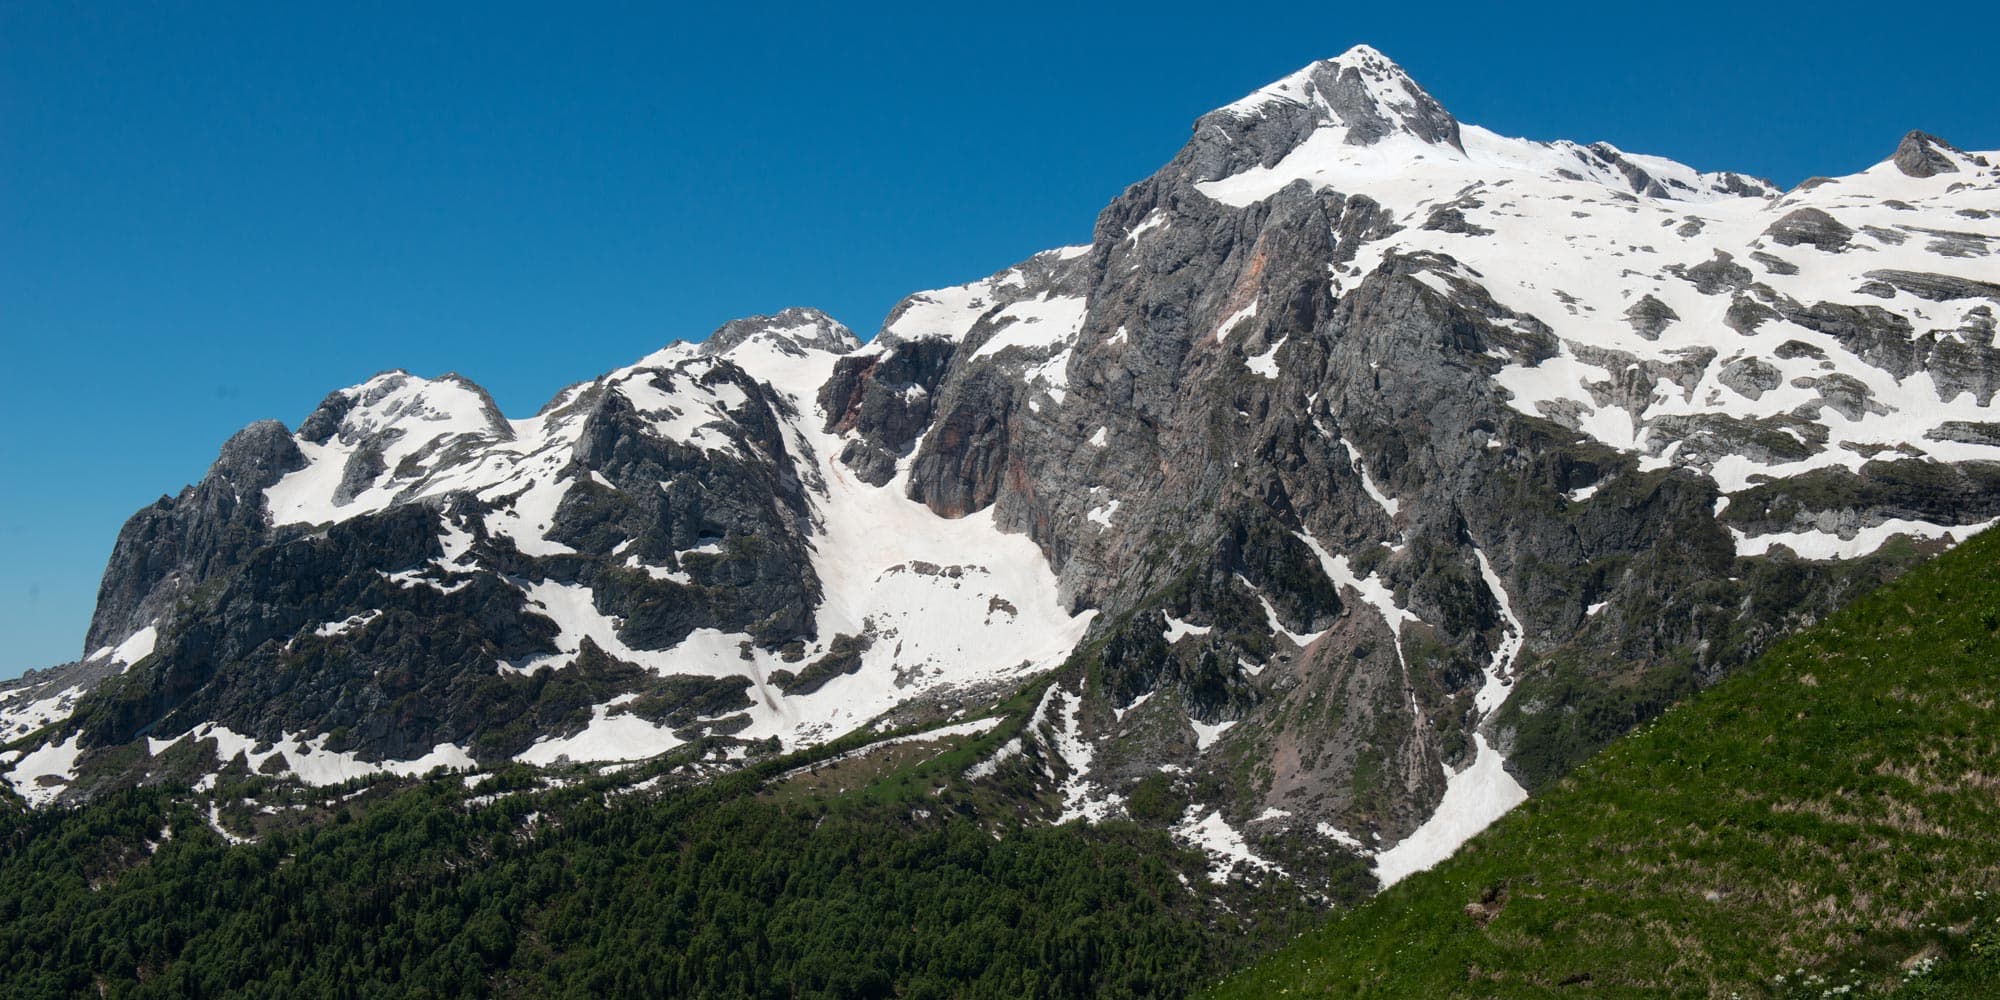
[(1825, 823)]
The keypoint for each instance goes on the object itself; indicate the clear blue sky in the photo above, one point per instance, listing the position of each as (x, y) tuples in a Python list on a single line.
[(216, 212)]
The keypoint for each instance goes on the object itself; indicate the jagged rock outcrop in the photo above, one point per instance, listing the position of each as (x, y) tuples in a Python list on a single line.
[(181, 542), (1921, 154)]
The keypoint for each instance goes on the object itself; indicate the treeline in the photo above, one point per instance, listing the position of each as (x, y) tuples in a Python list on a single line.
[(705, 891)]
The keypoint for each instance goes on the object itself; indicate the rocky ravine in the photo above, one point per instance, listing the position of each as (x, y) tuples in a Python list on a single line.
[(1366, 469)]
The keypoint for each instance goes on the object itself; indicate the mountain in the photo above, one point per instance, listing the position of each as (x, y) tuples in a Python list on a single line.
[(1366, 471)]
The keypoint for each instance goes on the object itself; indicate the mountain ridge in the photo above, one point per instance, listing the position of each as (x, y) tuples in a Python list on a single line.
[(1366, 449)]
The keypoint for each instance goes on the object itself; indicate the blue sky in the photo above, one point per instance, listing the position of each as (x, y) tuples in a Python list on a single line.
[(212, 213)]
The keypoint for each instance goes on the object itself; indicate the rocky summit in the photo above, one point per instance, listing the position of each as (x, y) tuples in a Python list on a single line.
[(1364, 472)]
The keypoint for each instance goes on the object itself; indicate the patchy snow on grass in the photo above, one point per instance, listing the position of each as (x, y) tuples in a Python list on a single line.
[(1225, 847), (20, 719), (1066, 742), (1119, 713), (307, 759), (42, 773), (1339, 836), (215, 823), (990, 766)]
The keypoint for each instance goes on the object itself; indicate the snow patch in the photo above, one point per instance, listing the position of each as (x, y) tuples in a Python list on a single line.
[(137, 647), (1205, 734), (42, 773), (1266, 364), (1828, 545), (1177, 628), (349, 624), (1473, 799), (1225, 847)]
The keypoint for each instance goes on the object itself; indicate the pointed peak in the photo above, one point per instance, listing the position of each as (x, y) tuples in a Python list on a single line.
[(1367, 57), (1922, 154), (1363, 93), (791, 331)]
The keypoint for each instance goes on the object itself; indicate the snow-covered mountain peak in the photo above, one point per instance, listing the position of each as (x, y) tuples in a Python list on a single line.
[(1359, 124), (1361, 95), (792, 331)]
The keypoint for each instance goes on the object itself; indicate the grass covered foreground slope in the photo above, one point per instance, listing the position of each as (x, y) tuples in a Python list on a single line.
[(1825, 823)]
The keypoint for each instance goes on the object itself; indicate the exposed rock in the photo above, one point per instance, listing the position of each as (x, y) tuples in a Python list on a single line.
[(1810, 226), (1841, 502), (1774, 263), (1984, 432), (1936, 287), (1746, 314), (1847, 394), (1714, 276), (1921, 154), (1451, 219), (1649, 316), (886, 399), (1750, 377), (181, 542), (1314, 501), (792, 331)]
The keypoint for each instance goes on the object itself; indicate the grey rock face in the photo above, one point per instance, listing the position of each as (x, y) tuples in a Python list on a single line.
[(1966, 431), (1811, 227), (665, 498), (1921, 154), (1642, 182), (1751, 377), (1937, 287), (1716, 275), (1746, 314), (181, 542), (1773, 263), (886, 400), (1649, 316)]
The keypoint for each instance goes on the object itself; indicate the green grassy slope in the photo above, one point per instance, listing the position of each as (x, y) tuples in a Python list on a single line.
[(1827, 818)]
